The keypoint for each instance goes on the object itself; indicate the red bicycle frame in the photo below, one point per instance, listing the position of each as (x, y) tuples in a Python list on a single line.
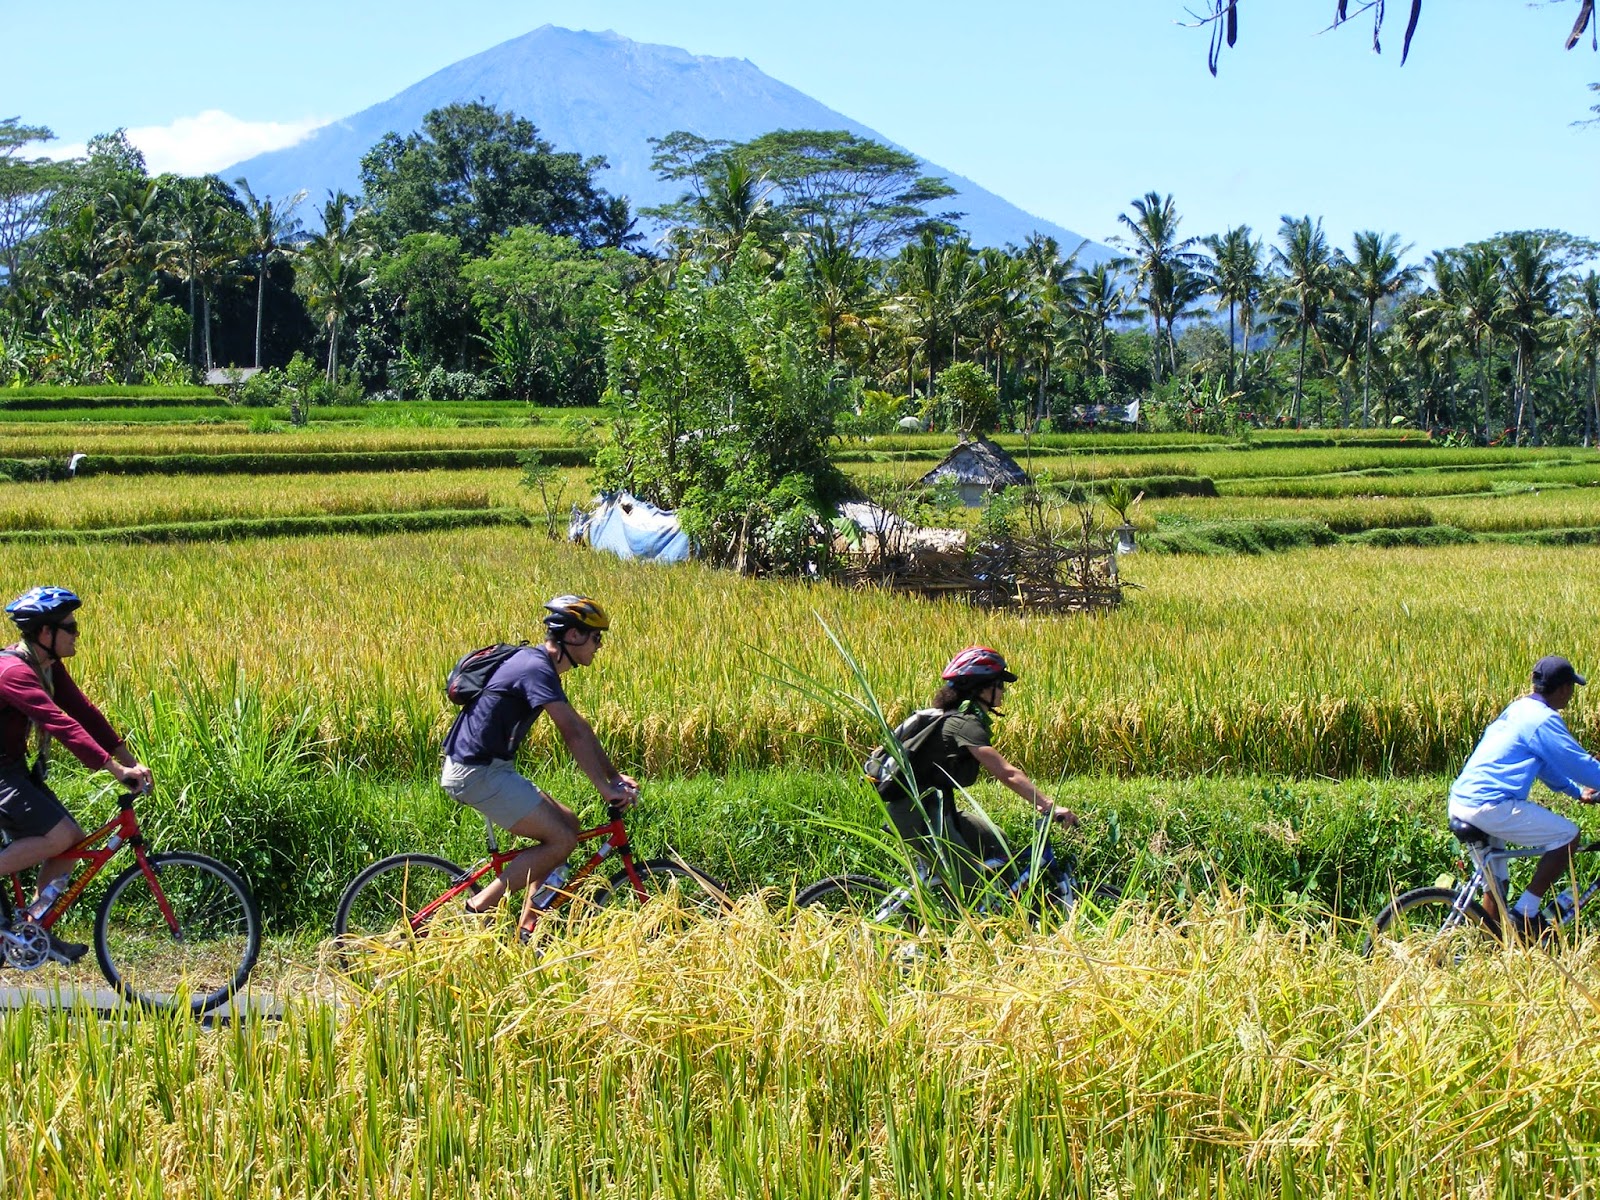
[(122, 830), (615, 841)]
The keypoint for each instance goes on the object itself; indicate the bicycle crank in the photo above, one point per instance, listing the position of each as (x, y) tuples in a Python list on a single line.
[(26, 946)]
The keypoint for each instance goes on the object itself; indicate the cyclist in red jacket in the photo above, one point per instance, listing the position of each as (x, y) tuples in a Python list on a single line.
[(37, 693)]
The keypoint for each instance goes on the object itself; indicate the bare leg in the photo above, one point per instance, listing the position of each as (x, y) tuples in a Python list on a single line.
[(555, 828), (42, 850), (1552, 865)]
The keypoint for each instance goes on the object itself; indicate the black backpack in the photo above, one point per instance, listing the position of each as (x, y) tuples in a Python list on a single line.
[(466, 680), (916, 731)]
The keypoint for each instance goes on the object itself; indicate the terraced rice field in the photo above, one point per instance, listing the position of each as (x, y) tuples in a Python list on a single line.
[(1258, 746)]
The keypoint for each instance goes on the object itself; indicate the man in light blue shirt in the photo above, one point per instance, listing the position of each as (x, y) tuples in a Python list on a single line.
[(1526, 742)]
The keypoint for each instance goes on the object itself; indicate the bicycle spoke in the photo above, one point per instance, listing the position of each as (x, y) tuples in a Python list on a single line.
[(186, 926)]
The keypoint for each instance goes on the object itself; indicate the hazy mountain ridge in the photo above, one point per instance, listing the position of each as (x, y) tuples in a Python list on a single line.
[(604, 94)]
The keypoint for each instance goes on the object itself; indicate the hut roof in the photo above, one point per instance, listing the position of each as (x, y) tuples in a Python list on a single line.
[(980, 463)]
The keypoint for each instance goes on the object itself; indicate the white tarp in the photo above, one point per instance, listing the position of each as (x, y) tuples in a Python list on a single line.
[(630, 528)]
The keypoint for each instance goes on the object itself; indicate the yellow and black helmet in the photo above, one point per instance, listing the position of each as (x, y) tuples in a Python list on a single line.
[(575, 612)]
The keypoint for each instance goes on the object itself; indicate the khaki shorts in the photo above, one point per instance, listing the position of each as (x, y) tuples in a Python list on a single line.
[(493, 789), (1519, 822)]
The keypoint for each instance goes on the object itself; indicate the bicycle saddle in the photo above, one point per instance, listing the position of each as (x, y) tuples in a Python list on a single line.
[(1469, 835)]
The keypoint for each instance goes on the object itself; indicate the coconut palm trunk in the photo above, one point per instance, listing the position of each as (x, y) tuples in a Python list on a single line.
[(1366, 373), (205, 307), (261, 298)]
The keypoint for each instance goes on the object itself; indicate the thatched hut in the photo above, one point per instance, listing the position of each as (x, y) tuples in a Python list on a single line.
[(979, 468)]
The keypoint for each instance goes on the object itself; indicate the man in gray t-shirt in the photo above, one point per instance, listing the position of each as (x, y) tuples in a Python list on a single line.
[(480, 749)]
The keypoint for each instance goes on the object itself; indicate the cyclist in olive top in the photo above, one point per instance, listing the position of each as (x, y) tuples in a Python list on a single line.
[(36, 692), (480, 749), (950, 758)]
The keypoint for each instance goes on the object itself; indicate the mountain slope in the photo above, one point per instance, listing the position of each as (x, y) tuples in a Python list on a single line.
[(601, 93)]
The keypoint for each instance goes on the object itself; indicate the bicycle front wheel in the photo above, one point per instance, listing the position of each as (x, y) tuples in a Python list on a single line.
[(695, 890), (1425, 921), (864, 896), (382, 905), (182, 928)]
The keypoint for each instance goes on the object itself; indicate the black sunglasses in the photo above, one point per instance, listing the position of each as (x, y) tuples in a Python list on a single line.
[(70, 627)]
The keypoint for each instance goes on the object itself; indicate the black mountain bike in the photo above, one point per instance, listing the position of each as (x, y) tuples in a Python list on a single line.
[(1048, 879)]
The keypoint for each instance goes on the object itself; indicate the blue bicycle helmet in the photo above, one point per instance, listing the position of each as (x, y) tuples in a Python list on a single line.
[(40, 607)]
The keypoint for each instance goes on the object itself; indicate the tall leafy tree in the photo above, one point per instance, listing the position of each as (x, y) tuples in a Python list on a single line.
[(474, 172), (543, 303), (271, 230), (722, 409), (1376, 274), (26, 186), (872, 196)]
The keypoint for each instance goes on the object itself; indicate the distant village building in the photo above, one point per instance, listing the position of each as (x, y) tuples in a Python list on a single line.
[(223, 376), (980, 468)]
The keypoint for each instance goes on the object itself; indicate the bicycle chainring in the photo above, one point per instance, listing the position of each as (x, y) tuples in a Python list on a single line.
[(26, 946)]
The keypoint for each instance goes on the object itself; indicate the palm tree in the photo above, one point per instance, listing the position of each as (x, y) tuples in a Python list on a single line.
[(1310, 283), (837, 282), (1468, 286), (194, 232), (272, 229), (1047, 301), (1376, 274), (1157, 252), (737, 202), (1529, 277), (1342, 339), (1101, 302), (331, 268), (1237, 279), (1583, 342)]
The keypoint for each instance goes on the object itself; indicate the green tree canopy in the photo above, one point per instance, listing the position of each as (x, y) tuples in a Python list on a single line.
[(543, 302), (26, 185), (873, 197), (473, 172), (722, 408)]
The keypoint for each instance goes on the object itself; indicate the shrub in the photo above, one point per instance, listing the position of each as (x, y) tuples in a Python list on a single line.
[(964, 400)]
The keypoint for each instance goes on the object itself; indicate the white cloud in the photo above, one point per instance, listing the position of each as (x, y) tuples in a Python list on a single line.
[(205, 143)]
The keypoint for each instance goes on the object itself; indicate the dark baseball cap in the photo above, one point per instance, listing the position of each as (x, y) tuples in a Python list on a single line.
[(1552, 671)]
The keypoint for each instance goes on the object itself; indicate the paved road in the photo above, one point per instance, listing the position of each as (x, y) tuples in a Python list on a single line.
[(101, 999)]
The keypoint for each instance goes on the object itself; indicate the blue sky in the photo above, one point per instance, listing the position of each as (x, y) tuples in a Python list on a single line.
[(1069, 109)]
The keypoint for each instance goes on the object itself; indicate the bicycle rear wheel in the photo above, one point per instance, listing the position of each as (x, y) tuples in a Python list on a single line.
[(185, 928), (1424, 921), (864, 896), (694, 889), (380, 907)]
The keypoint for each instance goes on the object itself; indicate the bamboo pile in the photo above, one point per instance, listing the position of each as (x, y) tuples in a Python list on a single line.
[(1032, 572)]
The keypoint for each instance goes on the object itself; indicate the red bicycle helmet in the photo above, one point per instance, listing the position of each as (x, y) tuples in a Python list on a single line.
[(977, 664)]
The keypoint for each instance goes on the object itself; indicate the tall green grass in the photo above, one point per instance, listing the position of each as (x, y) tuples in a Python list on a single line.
[(770, 1055)]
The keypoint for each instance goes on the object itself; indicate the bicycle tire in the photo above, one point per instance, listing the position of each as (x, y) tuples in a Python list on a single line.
[(660, 876), (1418, 917), (378, 904), (864, 896), (210, 954)]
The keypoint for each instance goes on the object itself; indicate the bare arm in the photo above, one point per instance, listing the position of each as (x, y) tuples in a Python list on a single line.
[(590, 756), (1017, 780)]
